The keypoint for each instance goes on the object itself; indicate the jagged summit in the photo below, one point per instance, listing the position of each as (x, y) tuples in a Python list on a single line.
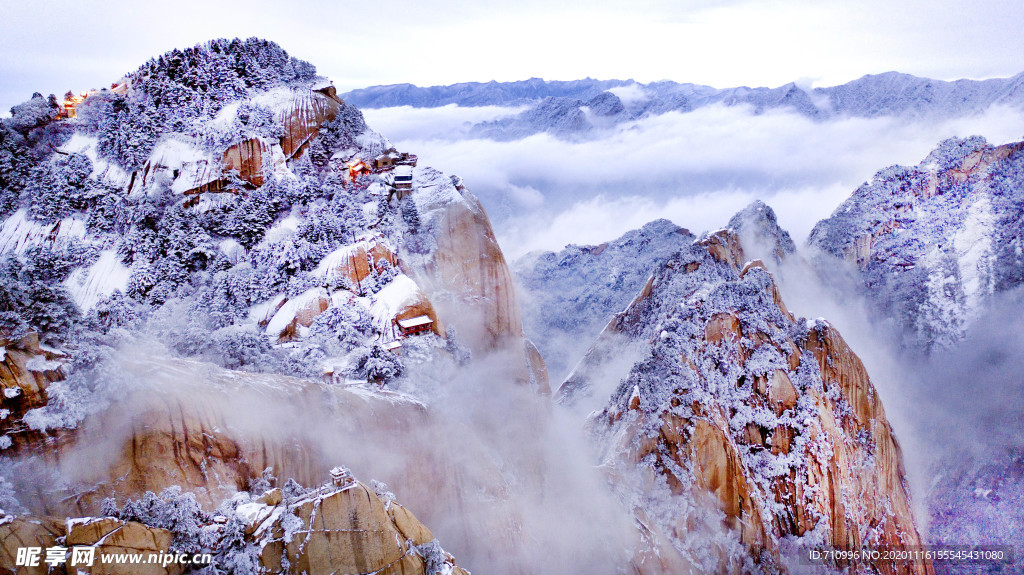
[(733, 397), (760, 230), (573, 293)]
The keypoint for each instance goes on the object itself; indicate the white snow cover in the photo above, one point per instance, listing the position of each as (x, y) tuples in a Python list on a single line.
[(973, 245), (18, 232), (88, 286), (102, 170), (434, 193), (73, 522), (233, 250), (414, 322), (208, 202), (280, 163), (262, 312), (288, 311), (40, 363), (342, 298), (283, 228), (280, 100), (225, 118), (195, 167), (400, 293), (251, 513), (372, 144)]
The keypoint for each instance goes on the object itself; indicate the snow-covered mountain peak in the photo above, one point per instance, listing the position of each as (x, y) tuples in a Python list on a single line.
[(934, 242), (758, 227)]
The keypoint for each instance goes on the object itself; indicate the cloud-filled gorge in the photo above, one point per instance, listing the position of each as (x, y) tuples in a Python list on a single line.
[(695, 168)]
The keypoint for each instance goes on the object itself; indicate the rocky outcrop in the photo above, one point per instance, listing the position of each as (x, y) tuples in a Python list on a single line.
[(464, 273), (246, 158), (103, 534), (26, 371), (356, 262), (21, 532), (756, 434), (332, 529), (125, 538), (347, 530), (758, 228)]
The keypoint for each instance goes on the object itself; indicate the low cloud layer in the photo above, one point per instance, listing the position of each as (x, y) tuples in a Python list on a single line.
[(696, 168), (451, 122)]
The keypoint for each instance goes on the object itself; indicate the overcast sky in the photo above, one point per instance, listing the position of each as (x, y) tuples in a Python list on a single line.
[(69, 44)]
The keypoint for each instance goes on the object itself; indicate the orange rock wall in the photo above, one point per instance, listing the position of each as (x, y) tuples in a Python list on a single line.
[(851, 477)]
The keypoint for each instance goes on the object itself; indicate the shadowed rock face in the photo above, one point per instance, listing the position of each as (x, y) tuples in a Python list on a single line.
[(756, 434), (572, 294)]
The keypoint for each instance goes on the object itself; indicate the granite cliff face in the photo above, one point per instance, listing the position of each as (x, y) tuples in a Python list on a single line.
[(458, 261), (745, 435), (26, 371)]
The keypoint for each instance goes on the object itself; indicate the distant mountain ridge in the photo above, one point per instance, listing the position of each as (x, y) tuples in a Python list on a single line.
[(477, 93), (573, 109)]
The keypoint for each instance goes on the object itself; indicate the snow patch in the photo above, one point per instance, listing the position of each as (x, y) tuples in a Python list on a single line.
[(262, 312), (19, 232), (283, 229), (291, 308), (399, 294), (102, 170), (973, 245), (107, 275), (233, 250), (252, 513), (280, 100), (39, 363)]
